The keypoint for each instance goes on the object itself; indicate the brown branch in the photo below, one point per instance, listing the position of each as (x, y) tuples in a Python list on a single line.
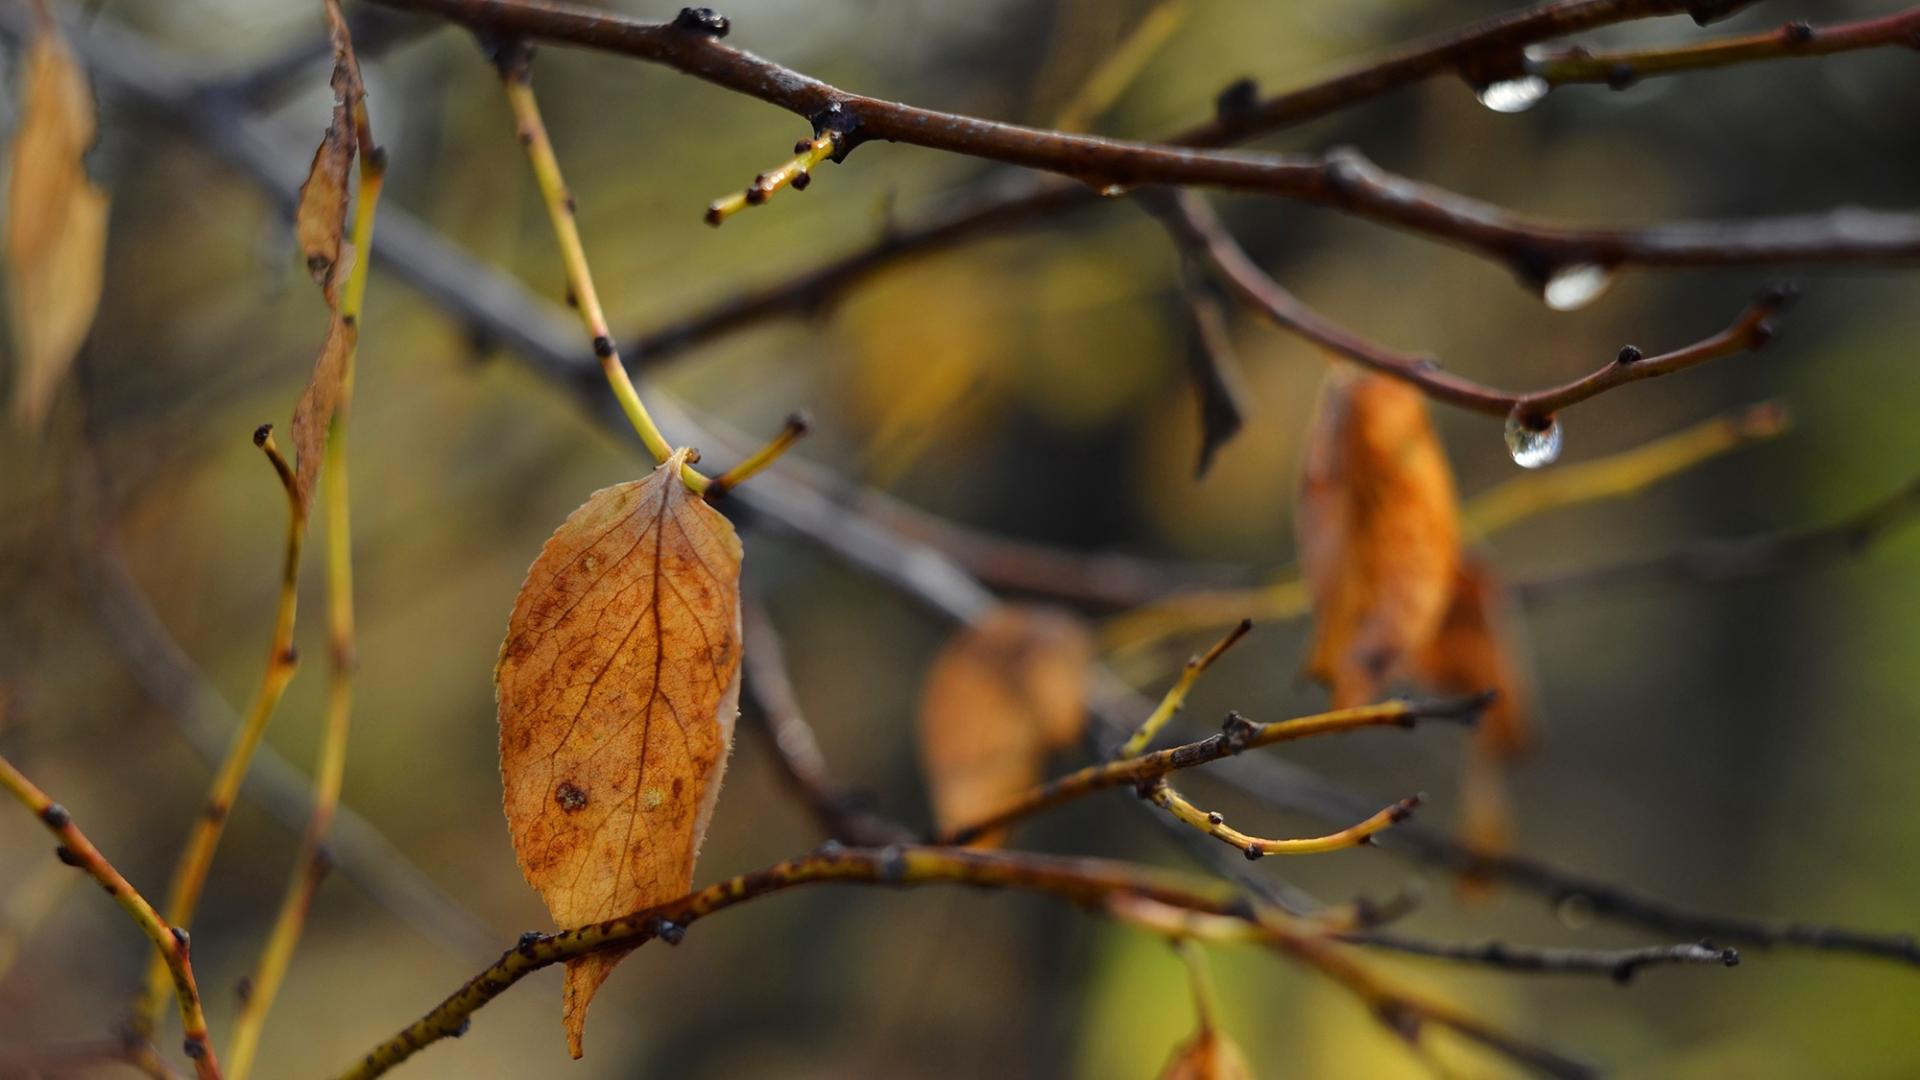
[(1239, 734), (1789, 41), (1342, 180), (169, 942), (1091, 883), (1202, 235), (779, 719)]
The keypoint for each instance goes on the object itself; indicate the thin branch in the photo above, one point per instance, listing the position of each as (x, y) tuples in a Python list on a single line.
[(1621, 965), (1788, 41), (1736, 560), (203, 839), (1239, 734), (1211, 365), (1087, 882), (1342, 180), (787, 732), (170, 942), (313, 861), (1202, 235), (1215, 825), (1175, 698)]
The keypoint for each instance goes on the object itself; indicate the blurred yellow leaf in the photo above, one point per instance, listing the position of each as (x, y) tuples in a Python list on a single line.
[(1000, 695), (618, 685), (56, 226), (1379, 532)]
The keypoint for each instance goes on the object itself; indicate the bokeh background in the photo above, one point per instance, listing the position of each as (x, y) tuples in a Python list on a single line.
[(1745, 748)]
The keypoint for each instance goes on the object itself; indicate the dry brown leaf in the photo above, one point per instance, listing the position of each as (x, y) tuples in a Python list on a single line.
[(56, 226), (618, 685), (1209, 1055), (1000, 695), (1468, 654), (320, 223), (313, 413), (1378, 532)]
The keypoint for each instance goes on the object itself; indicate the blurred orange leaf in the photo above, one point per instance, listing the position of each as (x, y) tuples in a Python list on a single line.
[(1378, 532), (1209, 1055), (56, 226), (1469, 654), (618, 685), (999, 697)]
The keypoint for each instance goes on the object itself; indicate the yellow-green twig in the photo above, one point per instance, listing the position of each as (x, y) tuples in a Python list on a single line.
[(170, 942), (1254, 847), (1122, 66), (311, 865), (797, 174), (517, 78), (1176, 696), (190, 872), (795, 429)]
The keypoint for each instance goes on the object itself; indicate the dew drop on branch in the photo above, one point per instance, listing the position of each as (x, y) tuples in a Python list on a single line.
[(1575, 286), (1532, 447), (1513, 95)]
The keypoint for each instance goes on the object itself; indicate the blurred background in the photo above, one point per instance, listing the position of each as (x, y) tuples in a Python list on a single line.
[(1745, 748)]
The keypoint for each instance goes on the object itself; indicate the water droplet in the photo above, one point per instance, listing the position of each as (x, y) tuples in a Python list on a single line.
[(1574, 287), (1114, 191), (1513, 95), (1532, 447)]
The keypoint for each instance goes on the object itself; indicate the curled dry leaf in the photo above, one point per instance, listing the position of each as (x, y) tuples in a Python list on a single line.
[(999, 697), (618, 685), (320, 222), (314, 411), (1209, 1055), (56, 225), (1378, 532)]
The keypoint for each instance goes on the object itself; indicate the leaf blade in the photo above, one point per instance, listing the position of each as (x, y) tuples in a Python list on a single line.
[(618, 684)]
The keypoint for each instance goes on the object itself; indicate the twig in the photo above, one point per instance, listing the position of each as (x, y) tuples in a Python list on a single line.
[(1239, 734), (1621, 965), (313, 861), (196, 857), (1175, 698), (1161, 794), (1201, 234), (794, 746), (1790, 40), (170, 942), (1735, 560), (516, 76), (1342, 180), (1617, 475), (1088, 882)]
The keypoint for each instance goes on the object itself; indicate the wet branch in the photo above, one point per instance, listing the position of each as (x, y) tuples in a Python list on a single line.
[(1202, 235), (1342, 180)]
